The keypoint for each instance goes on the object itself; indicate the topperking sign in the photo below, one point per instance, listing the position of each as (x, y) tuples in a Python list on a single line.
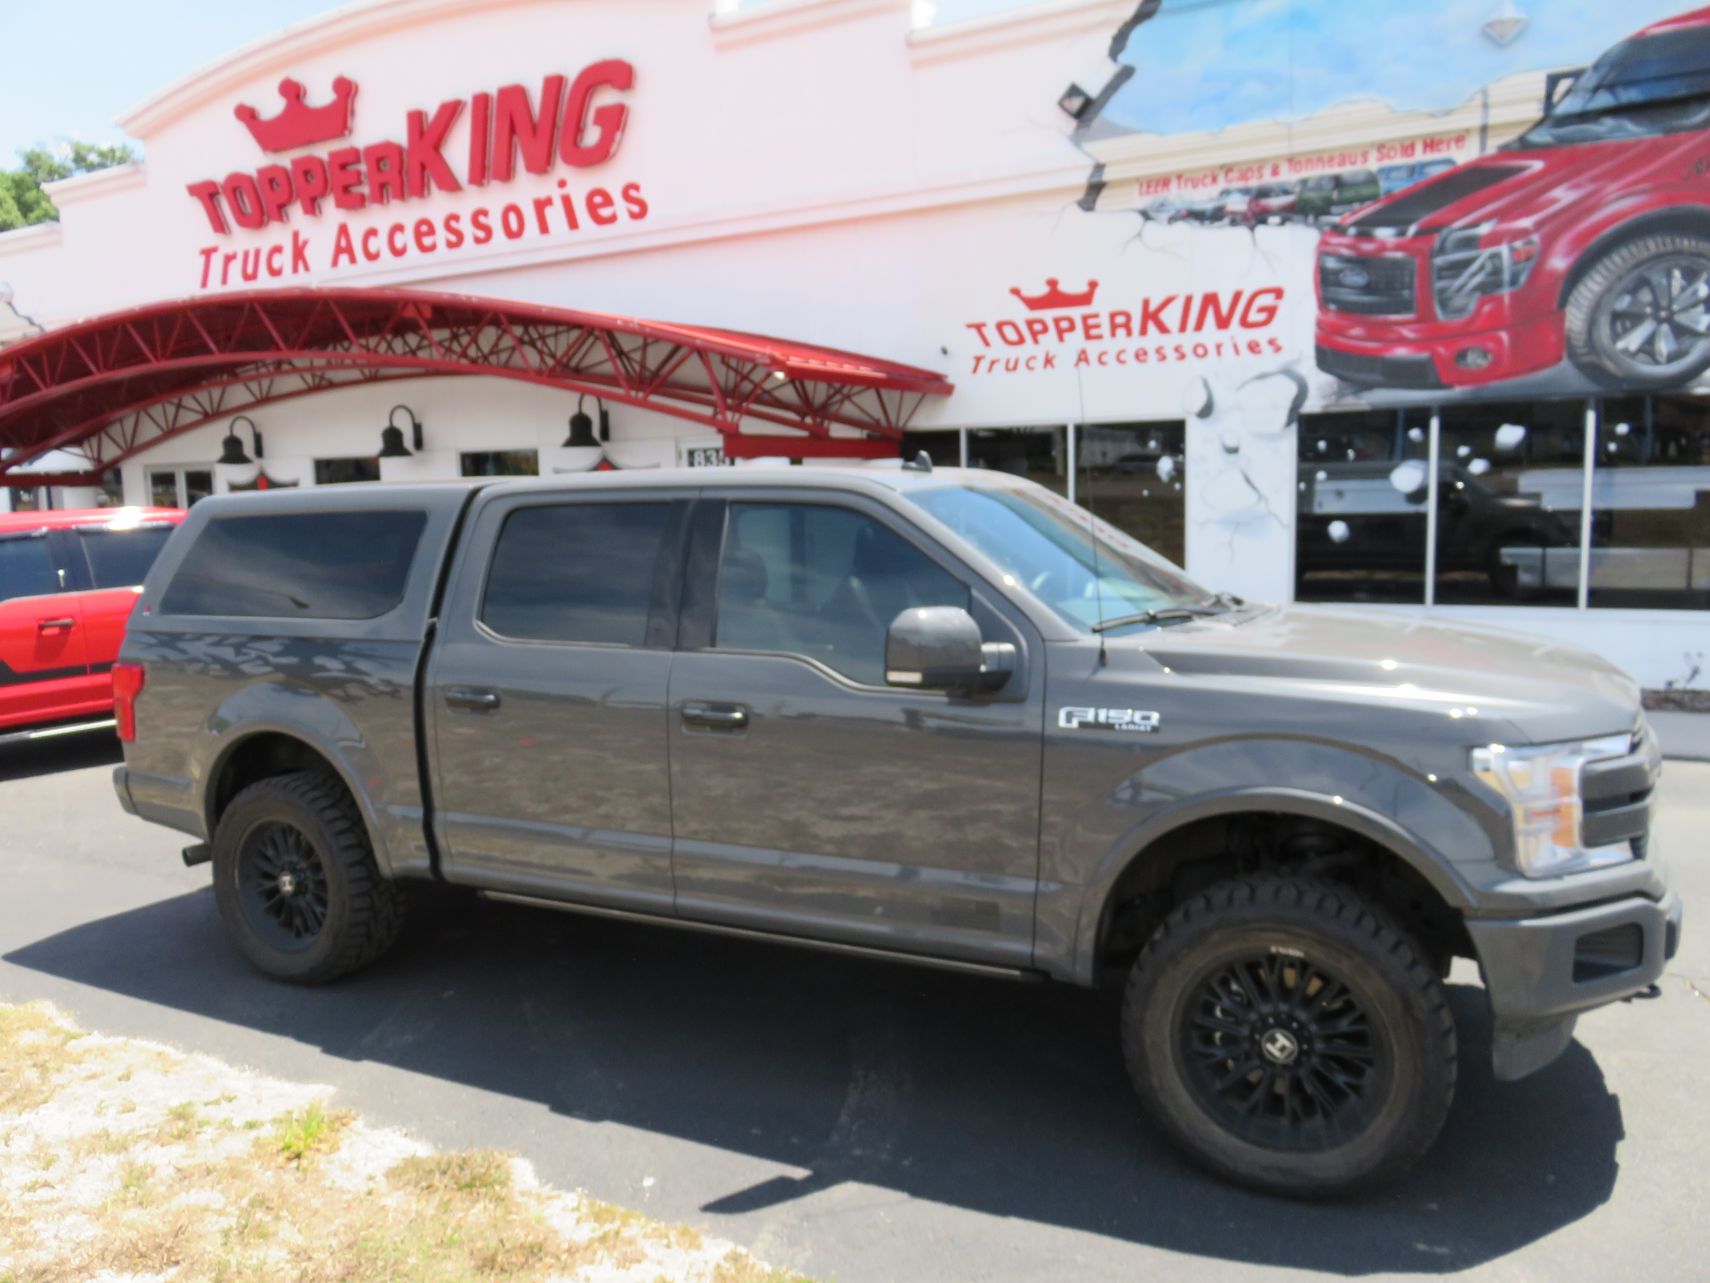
[(488, 140)]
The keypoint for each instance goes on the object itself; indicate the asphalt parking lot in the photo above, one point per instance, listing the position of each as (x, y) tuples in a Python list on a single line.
[(856, 1120)]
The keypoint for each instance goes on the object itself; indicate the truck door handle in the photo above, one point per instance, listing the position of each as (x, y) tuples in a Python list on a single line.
[(715, 717), (44, 625), (471, 700)]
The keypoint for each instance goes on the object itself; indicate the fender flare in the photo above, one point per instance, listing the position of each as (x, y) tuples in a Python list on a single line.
[(1679, 216), (210, 764), (1432, 865)]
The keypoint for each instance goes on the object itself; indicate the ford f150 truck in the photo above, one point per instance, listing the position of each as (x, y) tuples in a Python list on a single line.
[(1588, 236), (936, 715)]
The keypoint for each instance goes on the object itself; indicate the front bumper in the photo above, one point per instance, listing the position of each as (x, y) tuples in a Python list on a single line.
[(1410, 354), (1541, 973)]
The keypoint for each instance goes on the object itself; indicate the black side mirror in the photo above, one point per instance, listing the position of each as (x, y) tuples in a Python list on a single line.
[(939, 648)]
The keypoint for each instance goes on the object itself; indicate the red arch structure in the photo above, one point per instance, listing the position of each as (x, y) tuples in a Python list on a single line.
[(110, 388)]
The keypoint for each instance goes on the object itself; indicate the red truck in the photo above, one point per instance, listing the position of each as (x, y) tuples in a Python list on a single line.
[(1586, 237), (68, 580)]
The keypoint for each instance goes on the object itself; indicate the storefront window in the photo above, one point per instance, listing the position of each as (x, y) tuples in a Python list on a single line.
[(1650, 525), (502, 463), (112, 493), (333, 472), (1039, 454), (1512, 482), (179, 487), (1360, 534), (943, 448), (1133, 476)]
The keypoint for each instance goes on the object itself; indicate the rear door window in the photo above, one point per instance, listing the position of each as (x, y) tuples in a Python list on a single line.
[(577, 572), (121, 558), (26, 567), (299, 565)]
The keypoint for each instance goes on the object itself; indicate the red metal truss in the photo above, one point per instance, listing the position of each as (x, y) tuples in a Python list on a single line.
[(109, 388)]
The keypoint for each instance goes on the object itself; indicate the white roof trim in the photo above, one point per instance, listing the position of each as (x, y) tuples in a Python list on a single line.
[(24, 239), (356, 21), (786, 17), (1048, 20), (102, 182)]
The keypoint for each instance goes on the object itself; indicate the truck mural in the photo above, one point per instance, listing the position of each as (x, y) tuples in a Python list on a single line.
[(1586, 237)]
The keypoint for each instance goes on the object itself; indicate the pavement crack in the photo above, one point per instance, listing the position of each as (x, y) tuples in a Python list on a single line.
[(1697, 992)]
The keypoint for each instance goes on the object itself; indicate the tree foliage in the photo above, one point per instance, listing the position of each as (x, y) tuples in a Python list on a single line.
[(22, 200)]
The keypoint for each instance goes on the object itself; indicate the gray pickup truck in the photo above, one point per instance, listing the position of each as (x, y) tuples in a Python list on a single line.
[(936, 715)]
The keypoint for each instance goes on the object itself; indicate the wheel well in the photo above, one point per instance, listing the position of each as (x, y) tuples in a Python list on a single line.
[(1690, 219), (1193, 857), (258, 758)]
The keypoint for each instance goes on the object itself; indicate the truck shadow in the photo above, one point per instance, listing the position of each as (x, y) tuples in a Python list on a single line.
[(1001, 1098), (62, 753)]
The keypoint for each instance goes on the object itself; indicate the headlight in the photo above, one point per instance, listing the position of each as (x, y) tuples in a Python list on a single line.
[(1463, 270), (1540, 783)]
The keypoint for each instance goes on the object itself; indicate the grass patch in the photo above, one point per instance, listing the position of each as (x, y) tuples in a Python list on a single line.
[(115, 1169), (300, 1136)]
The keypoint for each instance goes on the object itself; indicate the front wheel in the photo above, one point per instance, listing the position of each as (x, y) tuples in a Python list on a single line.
[(1290, 1038), (296, 882), (1640, 317)]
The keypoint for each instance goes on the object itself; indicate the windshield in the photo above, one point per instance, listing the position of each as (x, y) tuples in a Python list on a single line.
[(1656, 84), (1045, 545)]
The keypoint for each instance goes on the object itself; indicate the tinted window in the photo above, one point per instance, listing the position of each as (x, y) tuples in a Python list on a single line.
[(26, 568), (335, 472), (822, 582), (1650, 523), (502, 463), (1509, 500), (580, 572), (121, 558), (307, 565), (1360, 528)]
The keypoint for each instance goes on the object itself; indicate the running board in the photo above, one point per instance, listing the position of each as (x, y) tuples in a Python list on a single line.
[(771, 937), (53, 732)]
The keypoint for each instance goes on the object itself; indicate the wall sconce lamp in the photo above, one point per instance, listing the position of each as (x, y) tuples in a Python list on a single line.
[(582, 427), (392, 436), (231, 449)]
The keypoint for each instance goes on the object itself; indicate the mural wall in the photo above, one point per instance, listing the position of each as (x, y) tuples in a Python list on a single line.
[(1400, 209)]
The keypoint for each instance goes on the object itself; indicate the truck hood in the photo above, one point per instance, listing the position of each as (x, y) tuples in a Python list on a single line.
[(1540, 689), (1526, 186)]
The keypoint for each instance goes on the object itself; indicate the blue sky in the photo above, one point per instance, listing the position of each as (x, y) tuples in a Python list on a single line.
[(1205, 64)]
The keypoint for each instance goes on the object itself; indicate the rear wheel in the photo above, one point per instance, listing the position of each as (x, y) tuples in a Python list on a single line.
[(1289, 1037), (1640, 317), (296, 882)]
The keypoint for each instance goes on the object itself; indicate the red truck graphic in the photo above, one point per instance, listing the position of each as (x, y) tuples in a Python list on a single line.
[(1586, 237)]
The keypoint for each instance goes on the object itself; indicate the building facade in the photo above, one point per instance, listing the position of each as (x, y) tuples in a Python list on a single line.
[(1394, 305)]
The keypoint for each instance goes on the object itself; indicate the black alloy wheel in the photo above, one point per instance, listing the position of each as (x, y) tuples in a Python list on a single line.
[(1281, 1052), (296, 880), (1287, 1035), (283, 885)]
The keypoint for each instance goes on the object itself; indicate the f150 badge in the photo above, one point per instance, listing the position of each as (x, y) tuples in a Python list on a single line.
[(1107, 719)]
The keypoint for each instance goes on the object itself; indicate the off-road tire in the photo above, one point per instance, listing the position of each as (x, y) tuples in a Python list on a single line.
[(1283, 921), (1588, 322), (362, 912)]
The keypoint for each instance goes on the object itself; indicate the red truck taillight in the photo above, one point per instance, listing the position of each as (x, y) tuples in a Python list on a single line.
[(127, 685)]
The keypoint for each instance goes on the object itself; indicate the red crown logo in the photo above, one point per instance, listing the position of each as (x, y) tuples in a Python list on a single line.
[(300, 125), (1054, 297)]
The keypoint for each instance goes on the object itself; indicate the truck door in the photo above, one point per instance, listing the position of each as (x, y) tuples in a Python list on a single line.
[(44, 662), (545, 696), (807, 796)]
